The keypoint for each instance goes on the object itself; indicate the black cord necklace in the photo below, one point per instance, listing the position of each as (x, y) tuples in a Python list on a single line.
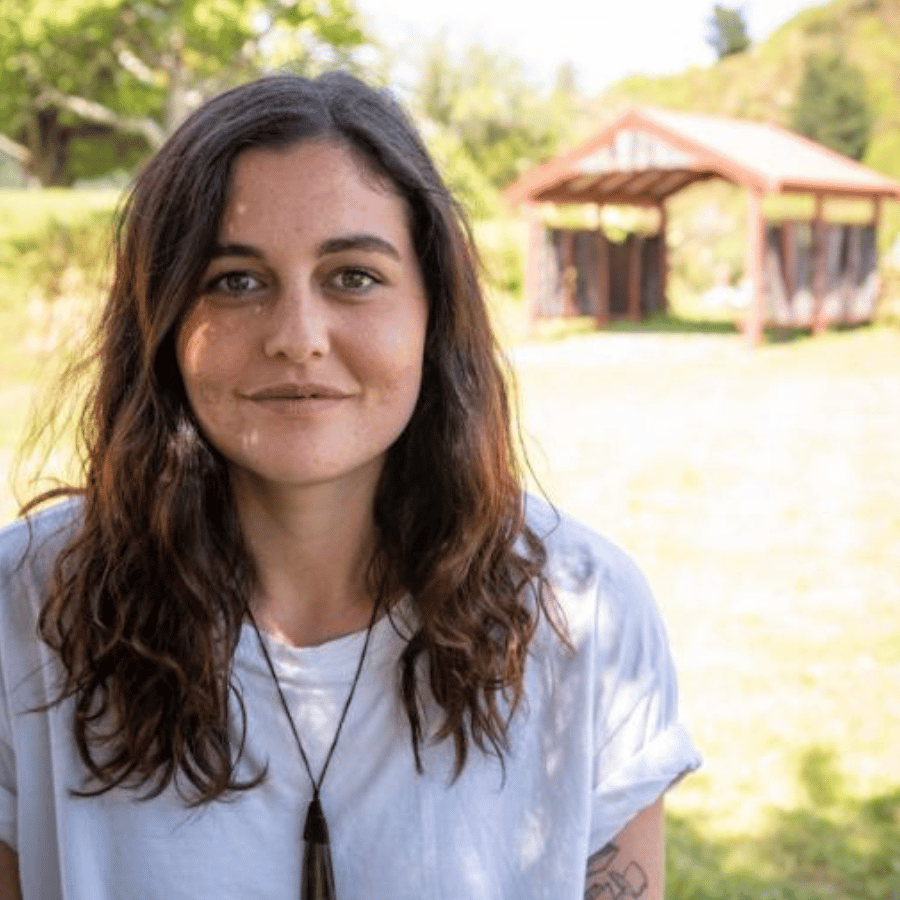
[(318, 874)]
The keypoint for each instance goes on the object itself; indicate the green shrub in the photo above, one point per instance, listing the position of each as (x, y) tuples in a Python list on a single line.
[(53, 261)]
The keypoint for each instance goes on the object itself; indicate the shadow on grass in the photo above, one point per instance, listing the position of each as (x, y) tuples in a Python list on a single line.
[(668, 323), (835, 846), (782, 334), (569, 326)]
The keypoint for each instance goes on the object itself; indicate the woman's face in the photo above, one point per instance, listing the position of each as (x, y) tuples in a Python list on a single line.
[(302, 357)]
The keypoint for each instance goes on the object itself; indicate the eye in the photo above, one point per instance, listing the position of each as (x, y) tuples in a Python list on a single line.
[(235, 283), (354, 280)]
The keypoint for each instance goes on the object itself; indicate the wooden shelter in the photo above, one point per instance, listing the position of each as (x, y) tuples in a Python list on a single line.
[(808, 273)]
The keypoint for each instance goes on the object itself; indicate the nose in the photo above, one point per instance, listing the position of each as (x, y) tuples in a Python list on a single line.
[(298, 327)]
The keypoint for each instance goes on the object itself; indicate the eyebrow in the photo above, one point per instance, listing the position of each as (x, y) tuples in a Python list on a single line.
[(234, 250), (365, 242)]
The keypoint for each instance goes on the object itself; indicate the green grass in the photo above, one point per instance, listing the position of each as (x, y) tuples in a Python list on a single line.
[(24, 212), (761, 494), (53, 253)]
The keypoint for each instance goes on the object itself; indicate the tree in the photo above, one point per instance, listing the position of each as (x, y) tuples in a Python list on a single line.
[(91, 85), (727, 31), (499, 121), (831, 106)]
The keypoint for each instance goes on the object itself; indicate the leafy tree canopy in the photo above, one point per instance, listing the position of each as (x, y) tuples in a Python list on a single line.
[(727, 31), (831, 106), (91, 85), (480, 105)]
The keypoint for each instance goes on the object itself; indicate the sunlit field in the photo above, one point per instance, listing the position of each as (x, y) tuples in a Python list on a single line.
[(760, 492)]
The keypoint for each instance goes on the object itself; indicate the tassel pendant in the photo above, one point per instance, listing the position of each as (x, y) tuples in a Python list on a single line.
[(318, 875)]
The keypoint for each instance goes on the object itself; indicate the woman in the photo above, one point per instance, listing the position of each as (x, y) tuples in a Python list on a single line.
[(299, 630)]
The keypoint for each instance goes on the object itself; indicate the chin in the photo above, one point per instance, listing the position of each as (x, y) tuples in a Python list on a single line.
[(287, 475)]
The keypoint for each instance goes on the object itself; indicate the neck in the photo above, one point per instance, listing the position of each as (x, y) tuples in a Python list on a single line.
[(312, 549)]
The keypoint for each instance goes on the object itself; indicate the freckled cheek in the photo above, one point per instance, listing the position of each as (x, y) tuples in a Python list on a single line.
[(210, 360), (397, 356)]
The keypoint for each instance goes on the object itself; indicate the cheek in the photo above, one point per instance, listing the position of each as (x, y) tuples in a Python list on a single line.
[(403, 337), (401, 351), (208, 357), (385, 343)]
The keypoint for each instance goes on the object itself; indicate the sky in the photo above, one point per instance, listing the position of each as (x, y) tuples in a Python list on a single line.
[(605, 41)]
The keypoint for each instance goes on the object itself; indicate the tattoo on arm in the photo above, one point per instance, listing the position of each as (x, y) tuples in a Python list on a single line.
[(612, 878)]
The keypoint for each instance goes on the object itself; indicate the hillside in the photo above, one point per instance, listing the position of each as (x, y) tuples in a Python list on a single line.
[(760, 83)]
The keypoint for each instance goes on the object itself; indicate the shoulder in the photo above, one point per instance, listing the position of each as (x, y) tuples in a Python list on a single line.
[(582, 563), (606, 602), (29, 547)]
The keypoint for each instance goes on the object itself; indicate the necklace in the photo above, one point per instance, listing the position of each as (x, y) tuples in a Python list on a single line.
[(317, 881)]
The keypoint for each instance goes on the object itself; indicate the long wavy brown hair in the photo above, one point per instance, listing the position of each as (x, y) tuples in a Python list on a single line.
[(148, 597)]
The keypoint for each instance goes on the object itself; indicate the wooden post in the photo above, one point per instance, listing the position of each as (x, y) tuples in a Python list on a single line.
[(876, 215), (570, 274), (756, 244), (634, 277), (819, 259), (789, 253), (603, 279), (847, 282), (663, 259), (875, 222), (534, 238)]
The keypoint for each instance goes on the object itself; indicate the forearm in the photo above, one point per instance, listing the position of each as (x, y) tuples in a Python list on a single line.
[(9, 874), (632, 864)]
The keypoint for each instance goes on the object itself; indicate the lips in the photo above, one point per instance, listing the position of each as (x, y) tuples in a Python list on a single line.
[(292, 391)]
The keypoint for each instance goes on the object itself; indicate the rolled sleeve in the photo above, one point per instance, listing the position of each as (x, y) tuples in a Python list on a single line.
[(641, 748)]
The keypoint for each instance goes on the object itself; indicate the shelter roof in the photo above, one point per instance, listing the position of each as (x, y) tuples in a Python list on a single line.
[(648, 154)]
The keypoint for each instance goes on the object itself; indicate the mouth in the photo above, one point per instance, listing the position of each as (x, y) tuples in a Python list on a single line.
[(295, 392)]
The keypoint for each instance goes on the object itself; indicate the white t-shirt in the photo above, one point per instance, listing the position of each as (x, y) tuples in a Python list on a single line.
[(597, 740)]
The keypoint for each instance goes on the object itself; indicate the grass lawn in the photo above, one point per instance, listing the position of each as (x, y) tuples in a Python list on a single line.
[(760, 492)]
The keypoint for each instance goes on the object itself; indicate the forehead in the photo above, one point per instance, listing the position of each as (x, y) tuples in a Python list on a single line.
[(315, 182)]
